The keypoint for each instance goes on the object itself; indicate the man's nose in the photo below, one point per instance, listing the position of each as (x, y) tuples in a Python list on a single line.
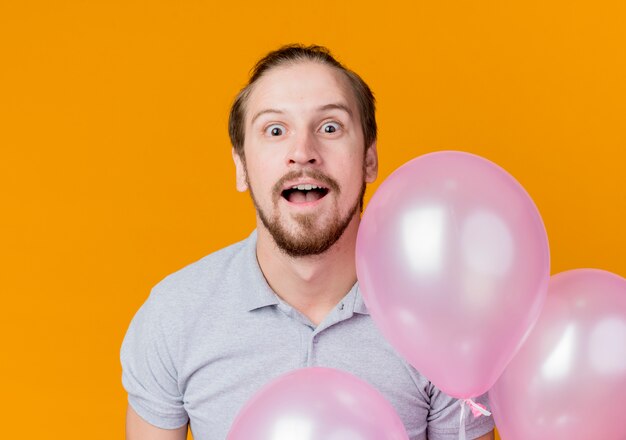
[(304, 150)]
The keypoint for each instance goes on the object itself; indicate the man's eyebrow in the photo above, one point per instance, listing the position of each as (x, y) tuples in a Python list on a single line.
[(337, 106), (333, 106), (268, 110)]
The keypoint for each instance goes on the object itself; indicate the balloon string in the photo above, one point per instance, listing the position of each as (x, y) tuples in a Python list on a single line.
[(462, 422), (477, 411)]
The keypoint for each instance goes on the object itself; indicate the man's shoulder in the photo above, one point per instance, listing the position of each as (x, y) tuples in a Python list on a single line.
[(202, 279), (198, 291)]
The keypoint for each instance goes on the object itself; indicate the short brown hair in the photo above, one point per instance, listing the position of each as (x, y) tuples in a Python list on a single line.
[(294, 53)]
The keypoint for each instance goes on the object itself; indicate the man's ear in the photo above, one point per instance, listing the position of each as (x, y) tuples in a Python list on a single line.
[(371, 163), (240, 172)]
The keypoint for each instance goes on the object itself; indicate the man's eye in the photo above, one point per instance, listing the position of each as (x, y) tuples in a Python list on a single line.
[(330, 127), (275, 130)]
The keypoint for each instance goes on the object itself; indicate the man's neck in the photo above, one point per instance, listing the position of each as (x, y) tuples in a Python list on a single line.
[(312, 285)]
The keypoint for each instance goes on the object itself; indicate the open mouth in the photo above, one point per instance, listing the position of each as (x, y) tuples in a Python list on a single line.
[(304, 193)]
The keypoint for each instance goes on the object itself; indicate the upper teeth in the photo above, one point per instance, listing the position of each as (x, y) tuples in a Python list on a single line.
[(305, 187)]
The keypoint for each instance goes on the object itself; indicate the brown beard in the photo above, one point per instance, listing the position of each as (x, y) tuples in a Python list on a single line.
[(311, 241)]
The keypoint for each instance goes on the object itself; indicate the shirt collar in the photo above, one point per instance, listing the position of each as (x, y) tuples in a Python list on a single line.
[(359, 304), (260, 294)]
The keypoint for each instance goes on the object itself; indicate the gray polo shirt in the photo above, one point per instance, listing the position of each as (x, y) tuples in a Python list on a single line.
[(210, 335)]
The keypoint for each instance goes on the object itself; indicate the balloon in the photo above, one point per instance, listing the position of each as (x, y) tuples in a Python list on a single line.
[(318, 404), (568, 381), (453, 264)]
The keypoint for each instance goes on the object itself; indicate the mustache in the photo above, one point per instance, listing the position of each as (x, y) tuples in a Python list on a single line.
[(328, 181)]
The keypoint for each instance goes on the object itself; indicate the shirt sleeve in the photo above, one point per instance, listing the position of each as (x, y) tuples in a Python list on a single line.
[(444, 417), (149, 372)]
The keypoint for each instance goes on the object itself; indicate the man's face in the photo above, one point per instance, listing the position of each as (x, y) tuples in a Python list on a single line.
[(305, 164)]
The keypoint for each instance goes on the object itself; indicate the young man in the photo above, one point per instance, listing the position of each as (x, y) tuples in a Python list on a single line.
[(209, 336)]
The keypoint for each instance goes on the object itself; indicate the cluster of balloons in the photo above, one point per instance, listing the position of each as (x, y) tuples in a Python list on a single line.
[(454, 266)]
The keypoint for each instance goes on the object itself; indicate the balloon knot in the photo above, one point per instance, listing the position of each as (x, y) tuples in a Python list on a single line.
[(476, 408)]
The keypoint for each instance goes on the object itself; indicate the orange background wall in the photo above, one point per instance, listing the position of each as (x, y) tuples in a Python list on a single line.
[(115, 164)]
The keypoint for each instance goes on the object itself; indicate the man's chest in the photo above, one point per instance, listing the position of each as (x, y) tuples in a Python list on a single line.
[(226, 362)]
